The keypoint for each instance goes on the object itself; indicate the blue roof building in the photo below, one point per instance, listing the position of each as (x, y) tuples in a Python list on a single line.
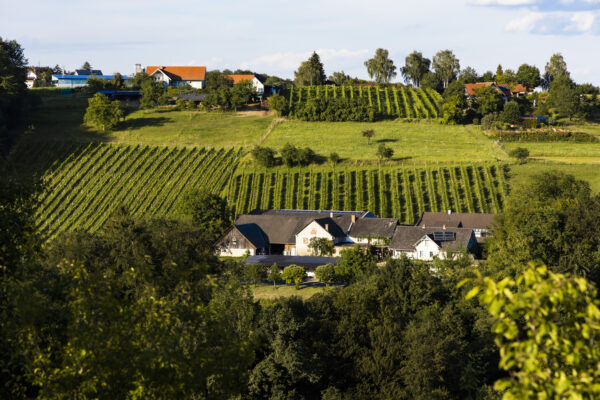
[(72, 81)]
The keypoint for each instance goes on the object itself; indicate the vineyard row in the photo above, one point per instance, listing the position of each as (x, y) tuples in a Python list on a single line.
[(401, 193)]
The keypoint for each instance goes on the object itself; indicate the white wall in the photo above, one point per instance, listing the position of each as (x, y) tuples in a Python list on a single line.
[(303, 237), (236, 252), (427, 249), (196, 84)]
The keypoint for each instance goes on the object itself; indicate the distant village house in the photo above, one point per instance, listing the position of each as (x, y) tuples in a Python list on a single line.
[(174, 76)]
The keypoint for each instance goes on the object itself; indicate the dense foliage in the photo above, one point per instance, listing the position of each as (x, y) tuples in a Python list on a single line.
[(102, 113)]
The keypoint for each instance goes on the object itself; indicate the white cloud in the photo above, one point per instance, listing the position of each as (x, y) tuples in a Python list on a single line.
[(504, 2), (557, 22)]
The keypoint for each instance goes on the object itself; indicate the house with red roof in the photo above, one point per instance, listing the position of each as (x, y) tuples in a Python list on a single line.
[(175, 76), (256, 83), (507, 91)]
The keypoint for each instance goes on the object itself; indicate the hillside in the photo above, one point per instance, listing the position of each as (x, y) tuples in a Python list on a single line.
[(88, 174)]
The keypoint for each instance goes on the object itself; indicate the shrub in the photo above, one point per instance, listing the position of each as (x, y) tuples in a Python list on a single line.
[(384, 152), (325, 273), (511, 113), (255, 273), (294, 273), (180, 104), (265, 156), (102, 113), (274, 274), (520, 153), (488, 121), (292, 156)]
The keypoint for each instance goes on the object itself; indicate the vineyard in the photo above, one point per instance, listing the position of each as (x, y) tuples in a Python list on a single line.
[(400, 102), (84, 188), (402, 192)]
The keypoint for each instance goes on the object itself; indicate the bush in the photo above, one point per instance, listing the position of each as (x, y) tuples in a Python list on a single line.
[(325, 273), (384, 152), (255, 273), (488, 121), (520, 153), (102, 113), (475, 121), (180, 104), (265, 156), (336, 109), (511, 113), (190, 105), (292, 156), (294, 273), (279, 104)]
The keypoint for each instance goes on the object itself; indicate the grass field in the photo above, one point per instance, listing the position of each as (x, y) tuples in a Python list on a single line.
[(270, 292), (61, 118), (412, 142), (519, 174), (567, 152)]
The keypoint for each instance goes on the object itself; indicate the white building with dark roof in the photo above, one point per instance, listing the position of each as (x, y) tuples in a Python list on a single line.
[(426, 244)]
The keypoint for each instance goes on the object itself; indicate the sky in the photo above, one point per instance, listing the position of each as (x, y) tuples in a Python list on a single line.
[(274, 36)]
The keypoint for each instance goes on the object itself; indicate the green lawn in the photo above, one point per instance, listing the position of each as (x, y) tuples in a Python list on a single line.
[(61, 118), (270, 292), (520, 173), (566, 152), (425, 141)]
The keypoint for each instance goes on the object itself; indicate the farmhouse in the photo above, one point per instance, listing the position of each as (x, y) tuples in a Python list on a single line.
[(420, 243), (176, 76), (506, 91), (288, 232), (256, 83), (481, 223)]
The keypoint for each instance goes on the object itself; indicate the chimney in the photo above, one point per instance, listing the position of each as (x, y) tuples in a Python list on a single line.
[(449, 212), (327, 227), (444, 227), (331, 214), (353, 218), (138, 69)]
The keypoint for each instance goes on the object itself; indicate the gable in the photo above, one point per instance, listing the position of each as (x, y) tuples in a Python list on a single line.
[(180, 73), (315, 229)]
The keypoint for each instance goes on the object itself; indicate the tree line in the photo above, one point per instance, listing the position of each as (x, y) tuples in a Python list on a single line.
[(143, 309)]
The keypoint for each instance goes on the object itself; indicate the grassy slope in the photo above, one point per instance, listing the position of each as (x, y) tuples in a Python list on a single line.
[(270, 292), (418, 142)]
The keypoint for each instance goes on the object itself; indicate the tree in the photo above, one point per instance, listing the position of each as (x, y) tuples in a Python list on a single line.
[(265, 156), (368, 133), (555, 67), (355, 264), (103, 113), (487, 76), (563, 96), (454, 110), (488, 100), (547, 327), (105, 317), (274, 274), (255, 273), (552, 218), (208, 211), (294, 273), (279, 104), (529, 76), (117, 82), (152, 93), (321, 246), (340, 78), (446, 66), (12, 90), (241, 94), (415, 67), (432, 81), (468, 75), (384, 152), (381, 67), (310, 72), (216, 80), (520, 153), (511, 113), (334, 159), (325, 273), (86, 66)]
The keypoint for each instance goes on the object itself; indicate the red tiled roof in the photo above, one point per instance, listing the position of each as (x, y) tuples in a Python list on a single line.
[(471, 88), (180, 73), (518, 88), (239, 78)]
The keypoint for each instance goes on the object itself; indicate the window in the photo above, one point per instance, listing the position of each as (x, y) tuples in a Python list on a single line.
[(421, 254), (313, 231), (305, 240), (431, 254)]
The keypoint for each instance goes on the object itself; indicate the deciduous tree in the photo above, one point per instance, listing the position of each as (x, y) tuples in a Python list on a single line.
[(103, 113), (325, 273), (310, 72), (294, 273), (320, 246), (555, 67), (529, 76), (381, 67), (415, 67), (446, 66)]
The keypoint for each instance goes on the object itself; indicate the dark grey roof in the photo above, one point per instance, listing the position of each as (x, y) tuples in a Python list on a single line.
[(284, 261), (374, 227), (406, 237), (281, 226), (88, 72), (254, 235), (457, 220), (331, 227)]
